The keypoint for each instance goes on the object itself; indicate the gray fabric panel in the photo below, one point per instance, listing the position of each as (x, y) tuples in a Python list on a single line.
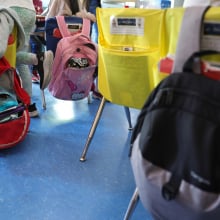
[(189, 36), (149, 185)]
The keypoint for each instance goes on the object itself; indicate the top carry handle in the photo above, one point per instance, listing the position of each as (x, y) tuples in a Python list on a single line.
[(189, 64), (66, 33)]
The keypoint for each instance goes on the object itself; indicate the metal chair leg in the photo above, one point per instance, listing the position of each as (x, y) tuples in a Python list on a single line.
[(43, 99), (132, 204), (92, 130), (89, 99), (128, 115)]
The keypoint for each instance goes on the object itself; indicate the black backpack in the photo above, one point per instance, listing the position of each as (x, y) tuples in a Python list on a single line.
[(175, 146)]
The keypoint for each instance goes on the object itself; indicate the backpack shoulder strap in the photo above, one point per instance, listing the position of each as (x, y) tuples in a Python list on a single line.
[(62, 26), (86, 27), (189, 36)]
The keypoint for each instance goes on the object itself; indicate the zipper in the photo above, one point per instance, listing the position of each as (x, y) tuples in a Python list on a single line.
[(13, 111)]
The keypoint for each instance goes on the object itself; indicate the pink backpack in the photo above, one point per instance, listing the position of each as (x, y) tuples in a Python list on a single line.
[(74, 64)]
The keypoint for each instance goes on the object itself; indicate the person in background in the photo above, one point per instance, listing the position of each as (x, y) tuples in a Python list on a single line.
[(37, 41), (27, 15), (91, 6), (38, 5), (68, 8)]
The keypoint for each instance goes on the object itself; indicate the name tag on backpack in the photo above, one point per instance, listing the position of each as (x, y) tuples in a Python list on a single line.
[(211, 36)]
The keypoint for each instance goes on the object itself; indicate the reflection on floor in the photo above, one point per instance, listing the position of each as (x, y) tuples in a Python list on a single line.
[(43, 179)]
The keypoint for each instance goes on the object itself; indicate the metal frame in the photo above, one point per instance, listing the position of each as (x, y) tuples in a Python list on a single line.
[(132, 205), (95, 124)]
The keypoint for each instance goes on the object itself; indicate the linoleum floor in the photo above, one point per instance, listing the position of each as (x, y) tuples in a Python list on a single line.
[(42, 178)]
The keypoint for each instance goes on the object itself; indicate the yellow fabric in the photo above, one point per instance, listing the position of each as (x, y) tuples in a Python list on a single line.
[(127, 77), (213, 15), (10, 53), (172, 23)]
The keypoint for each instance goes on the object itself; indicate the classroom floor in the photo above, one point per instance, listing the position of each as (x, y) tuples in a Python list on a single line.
[(42, 178)]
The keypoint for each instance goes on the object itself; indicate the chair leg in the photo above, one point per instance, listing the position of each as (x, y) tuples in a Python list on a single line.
[(43, 99), (89, 99), (92, 130), (132, 204), (128, 115)]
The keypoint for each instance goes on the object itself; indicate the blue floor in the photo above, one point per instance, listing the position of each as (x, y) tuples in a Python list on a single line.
[(43, 179)]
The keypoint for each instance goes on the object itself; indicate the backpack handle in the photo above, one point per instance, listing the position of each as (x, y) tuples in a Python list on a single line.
[(191, 61), (64, 30)]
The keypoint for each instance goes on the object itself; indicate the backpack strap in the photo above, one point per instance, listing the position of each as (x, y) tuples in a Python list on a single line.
[(62, 26), (86, 27), (188, 44), (190, 63), (189, 36), (64, 30)]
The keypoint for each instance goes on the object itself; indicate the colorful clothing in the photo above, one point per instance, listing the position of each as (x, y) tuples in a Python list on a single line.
[(19, 3), (27, 15), (59, 7), (93, 4)]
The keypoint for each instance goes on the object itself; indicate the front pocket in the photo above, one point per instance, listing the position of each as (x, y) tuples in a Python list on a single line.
[(77, 82), (126, 77), (14, 131)]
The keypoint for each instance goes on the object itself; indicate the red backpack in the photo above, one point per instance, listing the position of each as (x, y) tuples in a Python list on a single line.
[(14, 101)]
